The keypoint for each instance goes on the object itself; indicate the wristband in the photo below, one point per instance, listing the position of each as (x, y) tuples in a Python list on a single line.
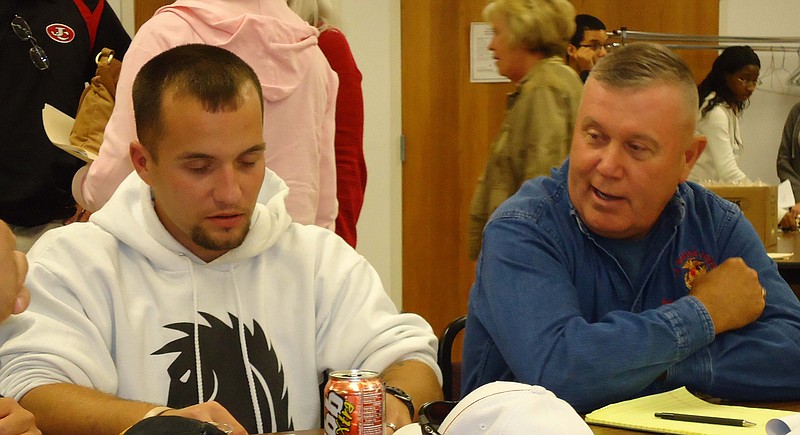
[(158, 410), (403, 396)]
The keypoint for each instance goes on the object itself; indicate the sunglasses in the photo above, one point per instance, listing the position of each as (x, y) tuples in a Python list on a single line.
[(23, 32), (432, 414)]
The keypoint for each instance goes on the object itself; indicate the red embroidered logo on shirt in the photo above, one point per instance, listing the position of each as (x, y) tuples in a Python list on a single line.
[(61, 33), (693, 264), (694, 269)]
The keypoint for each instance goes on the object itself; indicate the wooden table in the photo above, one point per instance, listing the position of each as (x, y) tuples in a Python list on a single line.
[(600, 430), (788, 242)]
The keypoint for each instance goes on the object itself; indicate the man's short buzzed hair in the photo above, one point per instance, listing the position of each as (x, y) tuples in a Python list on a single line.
[(644, 64), (212, 75)]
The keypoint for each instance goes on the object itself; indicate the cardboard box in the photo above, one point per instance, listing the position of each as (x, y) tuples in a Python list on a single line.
[(759, 205)]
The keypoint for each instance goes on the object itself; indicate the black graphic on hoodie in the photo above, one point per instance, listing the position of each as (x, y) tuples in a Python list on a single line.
[(224, 378)]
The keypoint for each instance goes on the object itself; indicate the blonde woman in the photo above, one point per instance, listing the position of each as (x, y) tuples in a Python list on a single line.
[(529, 44), (351, 169)]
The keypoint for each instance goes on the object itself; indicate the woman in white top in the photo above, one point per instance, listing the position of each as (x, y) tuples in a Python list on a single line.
[(724, 94)]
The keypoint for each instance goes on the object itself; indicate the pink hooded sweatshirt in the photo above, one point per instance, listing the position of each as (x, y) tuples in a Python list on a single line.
[(299, 98)]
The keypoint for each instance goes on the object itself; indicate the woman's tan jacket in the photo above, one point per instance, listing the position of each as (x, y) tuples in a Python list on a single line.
[(536, 135)]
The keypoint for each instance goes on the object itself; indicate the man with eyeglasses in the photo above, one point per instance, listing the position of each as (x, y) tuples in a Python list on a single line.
[(47, 53), (587, 45)]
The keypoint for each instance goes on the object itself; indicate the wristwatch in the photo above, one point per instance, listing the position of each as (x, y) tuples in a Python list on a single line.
[(403, 396)]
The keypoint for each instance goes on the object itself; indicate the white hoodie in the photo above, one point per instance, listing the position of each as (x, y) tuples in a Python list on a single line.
[(116, 303)]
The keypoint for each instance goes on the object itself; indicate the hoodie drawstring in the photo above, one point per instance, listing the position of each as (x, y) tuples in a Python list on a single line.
[(247, 369), (198, 364), (242, 339)]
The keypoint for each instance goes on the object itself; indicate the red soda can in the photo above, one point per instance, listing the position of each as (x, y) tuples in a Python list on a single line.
[(353, 403)]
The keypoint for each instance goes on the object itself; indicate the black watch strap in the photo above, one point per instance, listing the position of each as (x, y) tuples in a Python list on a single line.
[(403, 396)]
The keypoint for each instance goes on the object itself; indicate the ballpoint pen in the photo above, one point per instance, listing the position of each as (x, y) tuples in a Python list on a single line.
[(705, 419)]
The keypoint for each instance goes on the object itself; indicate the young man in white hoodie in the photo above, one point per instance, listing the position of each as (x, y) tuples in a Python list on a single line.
[(193, 289)]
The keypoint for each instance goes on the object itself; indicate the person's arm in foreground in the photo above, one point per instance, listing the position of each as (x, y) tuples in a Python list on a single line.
[(359, 327), (15, 298), (747, 360), (14, 419), (415, 378), (37, 377), (68, 409)]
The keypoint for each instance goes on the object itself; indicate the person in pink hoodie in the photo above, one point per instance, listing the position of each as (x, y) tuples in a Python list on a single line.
[(299, 90)]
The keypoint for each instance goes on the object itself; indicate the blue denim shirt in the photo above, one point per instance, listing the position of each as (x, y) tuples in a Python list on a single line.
[(551, 306)]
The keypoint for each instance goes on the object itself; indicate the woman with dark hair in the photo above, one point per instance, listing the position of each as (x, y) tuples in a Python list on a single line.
[(724, 94)]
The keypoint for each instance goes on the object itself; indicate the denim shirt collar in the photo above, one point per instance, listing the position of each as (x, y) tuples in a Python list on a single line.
[(664, 231)]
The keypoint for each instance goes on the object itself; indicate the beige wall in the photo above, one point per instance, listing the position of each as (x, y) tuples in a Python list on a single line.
[(762, 122)]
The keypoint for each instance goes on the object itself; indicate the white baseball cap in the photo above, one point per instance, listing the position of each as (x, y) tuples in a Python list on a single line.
[(509, 408)]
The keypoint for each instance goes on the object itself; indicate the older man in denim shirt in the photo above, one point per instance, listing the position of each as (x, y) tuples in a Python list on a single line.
[(616, 278)]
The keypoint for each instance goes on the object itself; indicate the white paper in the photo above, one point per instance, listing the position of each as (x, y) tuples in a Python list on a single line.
[(785, 197), (789, 425), (482, 67), (58, 126)]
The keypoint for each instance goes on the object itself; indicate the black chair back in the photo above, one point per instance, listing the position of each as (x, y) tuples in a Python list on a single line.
[(451, 371)]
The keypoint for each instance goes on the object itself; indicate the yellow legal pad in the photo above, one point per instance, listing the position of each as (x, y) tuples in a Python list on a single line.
[(637, 414)]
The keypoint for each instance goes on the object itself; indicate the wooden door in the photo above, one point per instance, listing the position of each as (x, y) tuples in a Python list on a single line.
[(144, 9), (448, 124)]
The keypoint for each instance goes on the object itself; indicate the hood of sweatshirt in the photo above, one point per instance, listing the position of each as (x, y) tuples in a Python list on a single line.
[(278, 43), (130, 216)]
